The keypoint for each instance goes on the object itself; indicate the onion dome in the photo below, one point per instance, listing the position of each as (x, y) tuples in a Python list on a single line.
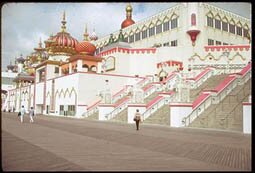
[(128, 20), (93, 36), (62, 42), (23, 77), (20, 59), (86, 47), (10, 66)]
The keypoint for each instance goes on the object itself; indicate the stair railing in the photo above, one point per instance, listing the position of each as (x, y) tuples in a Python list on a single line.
[(218, 95), (120, 107), (92, 109)]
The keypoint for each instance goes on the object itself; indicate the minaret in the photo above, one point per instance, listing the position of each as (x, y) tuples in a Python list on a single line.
[(86, 35), (63, 22), (20, 61)]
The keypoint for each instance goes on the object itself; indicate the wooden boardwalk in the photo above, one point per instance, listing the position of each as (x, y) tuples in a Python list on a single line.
[(57, 143)]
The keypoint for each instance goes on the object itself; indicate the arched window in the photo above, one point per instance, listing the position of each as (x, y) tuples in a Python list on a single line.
[(137, 35), (209, 17), (217, 21), (85, 67), (131, 37), (225, 24), (239, 29), (151, 30), (193, 19), (232, 27), (144, 32), (93, 68), (159, 27), (166, 24)]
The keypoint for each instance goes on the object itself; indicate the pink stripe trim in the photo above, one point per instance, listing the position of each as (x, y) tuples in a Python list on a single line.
[(200, 75), (180, 105), (118, 93), (202, 97), (245, 70), (90, 107), (224, 83), (82, 105), (154, 101), (147, 87), (121, 101), (246, 104)]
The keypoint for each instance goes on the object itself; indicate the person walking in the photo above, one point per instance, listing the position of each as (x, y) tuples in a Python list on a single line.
[(31, 114), (22, 113), (137, 118)]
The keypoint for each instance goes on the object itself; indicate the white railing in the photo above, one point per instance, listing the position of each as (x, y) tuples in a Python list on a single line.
[(149, 91), (219, 96), (122, 93), (144, 82), (197, 111), (200, 81), (117, 109), (156, 106), (92, 109)]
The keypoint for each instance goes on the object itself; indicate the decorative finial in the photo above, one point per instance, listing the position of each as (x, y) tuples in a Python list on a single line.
[(86, 35), (63, 22), (129, 10), (40, 43)]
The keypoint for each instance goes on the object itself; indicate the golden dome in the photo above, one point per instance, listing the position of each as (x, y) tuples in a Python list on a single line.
[(129, 8)]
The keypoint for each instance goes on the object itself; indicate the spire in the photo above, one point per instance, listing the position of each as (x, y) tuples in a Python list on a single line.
[(63, 22), (86, 35), (40, 43), (129, 11)]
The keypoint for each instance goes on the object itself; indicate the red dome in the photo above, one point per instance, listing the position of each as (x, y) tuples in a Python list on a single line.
[(86, 47), (127, 23), (64, 39)]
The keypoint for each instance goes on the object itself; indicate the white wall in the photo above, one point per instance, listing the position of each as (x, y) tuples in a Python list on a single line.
[(39, 93), (103, 110), (247, 119), (91, 84), (177, 113)]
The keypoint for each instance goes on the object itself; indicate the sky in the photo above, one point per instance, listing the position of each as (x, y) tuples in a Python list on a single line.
[(24, 23)]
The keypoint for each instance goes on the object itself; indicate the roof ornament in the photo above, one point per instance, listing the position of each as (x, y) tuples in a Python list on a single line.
[(86, 35), (63, 22)]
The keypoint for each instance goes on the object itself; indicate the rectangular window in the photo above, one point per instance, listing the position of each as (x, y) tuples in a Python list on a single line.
[(245, 32), (225, 26), (225, 43), (131, 38), (159, 29), (209, 21), (56, 70), (152, 31), (210, 42), (174, 43), (61, 110), (232, 28), (71, 110), (101, 49), (137, 36), (126, 39), (144, 34), (166, 26), (174, 23), (166, 44), (238, 30), (218, 43), (217, 24)]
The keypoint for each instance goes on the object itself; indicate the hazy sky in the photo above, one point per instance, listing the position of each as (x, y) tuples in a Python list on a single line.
[(24, 23)]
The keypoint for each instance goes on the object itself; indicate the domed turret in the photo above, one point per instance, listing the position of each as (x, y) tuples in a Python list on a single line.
[(62, 42), (128, 21), (86, 47), (93, 36)]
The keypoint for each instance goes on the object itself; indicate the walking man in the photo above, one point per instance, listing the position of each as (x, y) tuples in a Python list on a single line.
[(22, 113), (137, 118), (31, 114)]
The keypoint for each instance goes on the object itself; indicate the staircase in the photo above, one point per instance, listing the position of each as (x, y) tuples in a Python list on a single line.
[(94, 116), (149, 98), (122, 116), (161, 116), (207, 85), (228, 114)]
